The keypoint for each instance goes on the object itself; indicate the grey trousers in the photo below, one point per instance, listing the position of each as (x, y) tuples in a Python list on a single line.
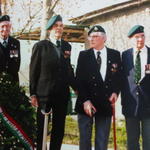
[(102, 129), (136, 127)]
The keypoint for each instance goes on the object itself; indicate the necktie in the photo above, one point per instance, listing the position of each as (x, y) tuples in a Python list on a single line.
[(4, 43), (137, 68), (99, 61), (58, 44)]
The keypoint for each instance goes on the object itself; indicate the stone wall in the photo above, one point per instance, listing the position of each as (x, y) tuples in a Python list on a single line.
[(118, 24)]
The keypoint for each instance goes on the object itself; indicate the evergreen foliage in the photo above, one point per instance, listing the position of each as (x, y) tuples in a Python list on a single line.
[(14, 101)]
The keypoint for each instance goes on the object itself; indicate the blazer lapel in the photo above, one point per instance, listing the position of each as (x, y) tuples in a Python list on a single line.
[(108, 64), (148, 60), (148, 54), (130, 62), (129, 65)]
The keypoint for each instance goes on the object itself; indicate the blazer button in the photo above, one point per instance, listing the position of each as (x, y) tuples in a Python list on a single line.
[(93, 77), (95, 84), (95, 94), (137, 93), (106, 86)]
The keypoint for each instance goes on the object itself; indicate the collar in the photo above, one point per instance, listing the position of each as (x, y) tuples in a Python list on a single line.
[(2, 40), (103, 51), (143, 50), (53, 40)]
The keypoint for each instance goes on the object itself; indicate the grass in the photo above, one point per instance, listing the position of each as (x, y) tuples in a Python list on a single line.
[(72, 134)]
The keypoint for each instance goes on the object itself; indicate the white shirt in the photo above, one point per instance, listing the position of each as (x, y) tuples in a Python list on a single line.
[(2, 40), (103, 56), (143, 57), (53, 40)]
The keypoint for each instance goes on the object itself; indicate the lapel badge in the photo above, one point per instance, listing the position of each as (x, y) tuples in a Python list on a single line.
[(95, 29), (13, 53), (114, 67)]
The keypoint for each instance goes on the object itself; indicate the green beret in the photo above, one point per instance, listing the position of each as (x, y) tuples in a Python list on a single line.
[(52, 21), (135, 29), (4, 18), (96, 28)]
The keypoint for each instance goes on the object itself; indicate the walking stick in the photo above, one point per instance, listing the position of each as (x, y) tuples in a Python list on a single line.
[(114, 125), (44, 143)]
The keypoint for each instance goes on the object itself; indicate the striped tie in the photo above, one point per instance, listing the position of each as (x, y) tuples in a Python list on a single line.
[(99, 61), (137, 68)]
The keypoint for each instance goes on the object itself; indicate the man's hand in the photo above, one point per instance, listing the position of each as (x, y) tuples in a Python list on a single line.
[(76, 92), (34, 101), (89, 108), (113, 98), (67, 54)]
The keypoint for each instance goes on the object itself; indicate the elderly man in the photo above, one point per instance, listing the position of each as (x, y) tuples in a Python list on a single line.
[(98, 79), (9, 50), (136, 90), (50, 76)]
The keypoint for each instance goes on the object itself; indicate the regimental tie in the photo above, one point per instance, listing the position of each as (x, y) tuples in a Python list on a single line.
[(58, 44), (137, 67), (4, 43), (99, 61)]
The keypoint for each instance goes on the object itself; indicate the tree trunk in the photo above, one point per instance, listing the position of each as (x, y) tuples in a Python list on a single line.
[(47, 13), (3, 7)]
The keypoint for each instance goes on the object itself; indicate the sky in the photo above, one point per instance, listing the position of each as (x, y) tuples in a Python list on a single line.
[(81, 7), (67, 8), (86, 5)]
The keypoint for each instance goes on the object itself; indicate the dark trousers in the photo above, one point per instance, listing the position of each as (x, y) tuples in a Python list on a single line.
[(59, 110), (102, 130), (135, 128)]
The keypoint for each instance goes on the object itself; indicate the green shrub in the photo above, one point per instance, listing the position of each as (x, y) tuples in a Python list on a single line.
[(15, 103)]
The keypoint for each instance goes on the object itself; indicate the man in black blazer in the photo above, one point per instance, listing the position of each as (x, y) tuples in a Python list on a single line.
[(98, 80), (9, 50), (50, 76), (136, 90)]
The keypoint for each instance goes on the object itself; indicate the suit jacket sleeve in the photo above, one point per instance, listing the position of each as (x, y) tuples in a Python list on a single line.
[(34, 72), (118, 77), (19, 57), (82, 86), (72, 82)]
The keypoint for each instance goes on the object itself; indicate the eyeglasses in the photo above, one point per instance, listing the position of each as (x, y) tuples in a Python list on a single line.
[(140, 37)]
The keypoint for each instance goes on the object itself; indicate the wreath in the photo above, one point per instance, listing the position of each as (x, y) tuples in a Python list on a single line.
[(17, 116)]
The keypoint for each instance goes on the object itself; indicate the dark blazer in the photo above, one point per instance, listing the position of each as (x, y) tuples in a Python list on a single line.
[(91, 85), (10, 58), (135, 97), (49, 72)]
